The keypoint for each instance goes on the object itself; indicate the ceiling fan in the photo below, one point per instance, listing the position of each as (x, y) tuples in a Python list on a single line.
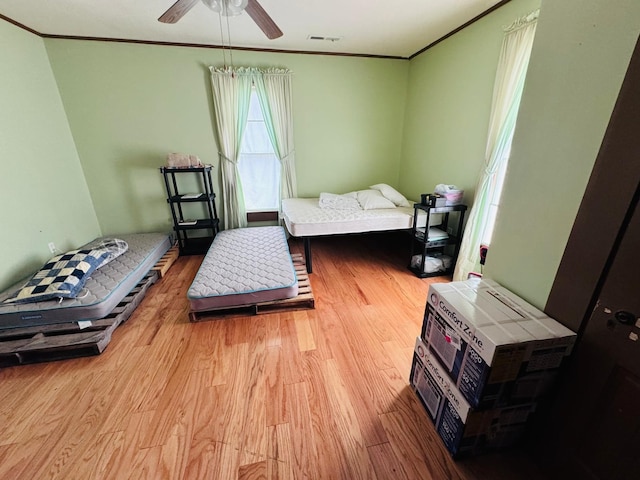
[(226, 8)]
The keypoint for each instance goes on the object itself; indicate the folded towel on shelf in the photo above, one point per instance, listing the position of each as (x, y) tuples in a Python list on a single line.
[(347, 201)]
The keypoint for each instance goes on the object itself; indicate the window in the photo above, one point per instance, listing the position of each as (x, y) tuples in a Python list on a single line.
[(258, 164), (494, 201), (508, 87)]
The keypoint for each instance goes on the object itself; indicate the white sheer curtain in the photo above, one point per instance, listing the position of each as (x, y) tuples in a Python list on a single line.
[(231, 93), (507, 92), (273, 87)]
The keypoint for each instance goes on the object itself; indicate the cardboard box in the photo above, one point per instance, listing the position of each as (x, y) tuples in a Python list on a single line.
[(463, 430), (496, 348)]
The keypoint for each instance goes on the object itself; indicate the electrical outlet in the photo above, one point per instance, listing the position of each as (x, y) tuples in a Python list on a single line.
[(52, 247)]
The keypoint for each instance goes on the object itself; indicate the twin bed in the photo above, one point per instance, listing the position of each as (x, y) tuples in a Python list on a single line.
[(244, 266), (304, 218), (102, 292)]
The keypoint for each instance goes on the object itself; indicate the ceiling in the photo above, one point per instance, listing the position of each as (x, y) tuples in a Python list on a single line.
[(366, 27)]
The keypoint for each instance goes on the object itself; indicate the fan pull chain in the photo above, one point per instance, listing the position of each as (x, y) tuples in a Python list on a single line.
[(230, 49), (224, 56)]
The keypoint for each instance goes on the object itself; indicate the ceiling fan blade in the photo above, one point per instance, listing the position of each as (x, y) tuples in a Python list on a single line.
[(177, 11), (263, 20)]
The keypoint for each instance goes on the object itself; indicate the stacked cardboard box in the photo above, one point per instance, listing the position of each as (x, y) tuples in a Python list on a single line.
[(484, 359)]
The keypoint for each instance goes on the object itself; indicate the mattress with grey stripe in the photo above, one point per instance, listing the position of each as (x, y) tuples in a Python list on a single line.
[(244, 266), (104, 289)]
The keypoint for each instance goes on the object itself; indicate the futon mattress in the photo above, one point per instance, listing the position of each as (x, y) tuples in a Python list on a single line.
[(244, 266), (103, 291)]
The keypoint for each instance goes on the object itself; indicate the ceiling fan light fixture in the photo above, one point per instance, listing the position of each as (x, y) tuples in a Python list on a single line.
[(227, 8)]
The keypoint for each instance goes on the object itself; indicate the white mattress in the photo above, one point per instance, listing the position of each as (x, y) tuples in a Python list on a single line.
[(244, 266), (304, 218)]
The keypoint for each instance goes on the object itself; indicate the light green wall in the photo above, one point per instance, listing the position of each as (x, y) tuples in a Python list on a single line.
[(43, 192), (579, 58), (129, 105), (449, 103), (349, 116)]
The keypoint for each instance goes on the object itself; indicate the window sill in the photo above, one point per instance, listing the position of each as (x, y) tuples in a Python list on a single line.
[(262, 216)]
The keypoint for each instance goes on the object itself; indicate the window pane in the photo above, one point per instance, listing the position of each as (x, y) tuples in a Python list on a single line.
[(258, 165), (255, 112), (260, 176), (256, 139), (489, 225), (494, 200)]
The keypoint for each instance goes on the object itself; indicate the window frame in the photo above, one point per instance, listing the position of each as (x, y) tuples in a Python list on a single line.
[(264, 214)]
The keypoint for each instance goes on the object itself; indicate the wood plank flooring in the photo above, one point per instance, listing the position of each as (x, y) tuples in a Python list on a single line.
[(313, 394)]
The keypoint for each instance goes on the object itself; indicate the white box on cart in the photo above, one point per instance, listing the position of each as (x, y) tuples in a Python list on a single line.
[(463, 430), (497, 348)]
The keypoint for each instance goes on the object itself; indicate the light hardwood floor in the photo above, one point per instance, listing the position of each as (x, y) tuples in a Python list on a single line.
[(317, 394)]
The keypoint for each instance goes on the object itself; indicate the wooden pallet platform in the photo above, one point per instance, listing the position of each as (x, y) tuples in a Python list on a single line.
[(304, 299), (45, 343), (168, 259)]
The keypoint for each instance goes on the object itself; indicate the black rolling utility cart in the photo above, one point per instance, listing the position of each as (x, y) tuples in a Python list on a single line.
[(194, 234), (435, 244)]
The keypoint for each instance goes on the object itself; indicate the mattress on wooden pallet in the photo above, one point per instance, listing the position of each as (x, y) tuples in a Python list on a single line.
[(103, 291), (244, 266)]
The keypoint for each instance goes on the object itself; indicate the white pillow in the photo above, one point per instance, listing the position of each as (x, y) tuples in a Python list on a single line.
[(392, 194), (373, 199)]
